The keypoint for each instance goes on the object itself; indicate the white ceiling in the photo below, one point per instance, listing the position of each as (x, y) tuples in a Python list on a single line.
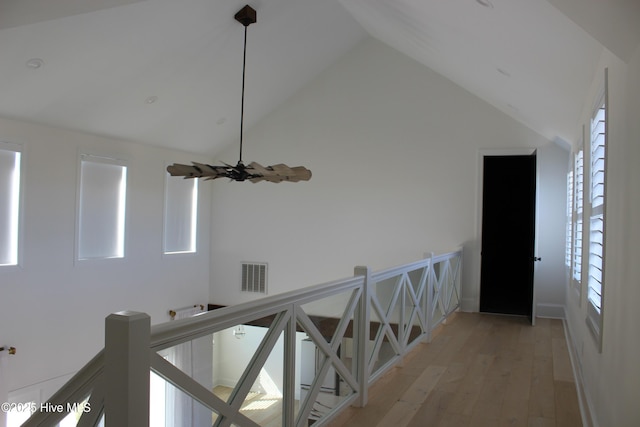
[(102, 63)]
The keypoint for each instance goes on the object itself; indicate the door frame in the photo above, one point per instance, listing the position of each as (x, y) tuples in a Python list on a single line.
[(482, 153)]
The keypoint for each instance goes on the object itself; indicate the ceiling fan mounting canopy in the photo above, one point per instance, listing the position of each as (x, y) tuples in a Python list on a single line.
[(246, 16), (254, 172)]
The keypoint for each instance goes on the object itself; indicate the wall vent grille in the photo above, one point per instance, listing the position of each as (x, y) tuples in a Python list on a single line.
[(254, 277)]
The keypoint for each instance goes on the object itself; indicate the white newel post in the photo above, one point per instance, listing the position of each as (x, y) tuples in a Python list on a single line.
[(363, 328), (126, 369)]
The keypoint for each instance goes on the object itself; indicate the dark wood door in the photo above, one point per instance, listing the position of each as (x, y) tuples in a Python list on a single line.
[(508, 234)]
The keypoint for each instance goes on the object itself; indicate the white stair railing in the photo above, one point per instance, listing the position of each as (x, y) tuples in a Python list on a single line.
[(359, 327)]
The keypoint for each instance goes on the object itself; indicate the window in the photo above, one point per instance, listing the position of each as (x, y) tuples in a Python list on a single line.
[(101, 207), (568, 243), (180, 215), (578, 203), (597, 196), (10, 156)]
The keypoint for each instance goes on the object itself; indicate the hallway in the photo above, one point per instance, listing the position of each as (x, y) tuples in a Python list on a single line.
[(479, 370)]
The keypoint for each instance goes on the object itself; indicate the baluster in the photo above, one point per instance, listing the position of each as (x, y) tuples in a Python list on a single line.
[(363, 328)]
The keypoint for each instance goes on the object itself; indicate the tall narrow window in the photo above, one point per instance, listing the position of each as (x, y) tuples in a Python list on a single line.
[(180, 215), (568, 242), (597, 196), (101, 207), (9, 202), (578, 203)]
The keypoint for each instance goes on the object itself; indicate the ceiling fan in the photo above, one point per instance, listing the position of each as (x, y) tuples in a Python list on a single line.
[(253, 172)]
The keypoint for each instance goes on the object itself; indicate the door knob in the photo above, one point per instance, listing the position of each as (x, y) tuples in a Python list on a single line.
[(535, 258)]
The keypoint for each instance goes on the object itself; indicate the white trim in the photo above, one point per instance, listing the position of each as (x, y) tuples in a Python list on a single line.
[(469, 305), (550, 311), (95, 158), (19, 237), (587, 412), (595, 315), (195, 196)]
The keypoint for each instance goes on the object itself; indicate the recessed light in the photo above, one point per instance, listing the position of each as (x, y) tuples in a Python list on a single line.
[(151, 100), (35, 63), (485, 3)]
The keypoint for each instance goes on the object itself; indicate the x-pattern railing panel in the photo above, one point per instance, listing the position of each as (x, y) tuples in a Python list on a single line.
[(416, 299), (191, 387), (445, 287), (258, 360), (384, 328)]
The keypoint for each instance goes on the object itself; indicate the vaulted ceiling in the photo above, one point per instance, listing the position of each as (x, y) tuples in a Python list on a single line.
[(168, 72)]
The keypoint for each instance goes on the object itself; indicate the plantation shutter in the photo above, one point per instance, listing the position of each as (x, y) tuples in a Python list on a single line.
[(578, 212), (597, 217)]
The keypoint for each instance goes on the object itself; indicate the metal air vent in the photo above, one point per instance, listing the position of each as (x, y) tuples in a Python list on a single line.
[(254, 277)]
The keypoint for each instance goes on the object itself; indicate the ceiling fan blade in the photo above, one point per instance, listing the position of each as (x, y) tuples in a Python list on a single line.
[(300, 173), (196, 170), (254, 172), (292, 174), (262, 173)]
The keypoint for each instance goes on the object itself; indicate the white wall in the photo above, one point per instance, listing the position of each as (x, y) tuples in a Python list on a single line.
[(612, 377), (394, 151), (52, 309)]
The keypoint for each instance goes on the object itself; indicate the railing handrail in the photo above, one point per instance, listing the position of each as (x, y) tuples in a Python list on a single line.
[(394, 271), (445, 255)]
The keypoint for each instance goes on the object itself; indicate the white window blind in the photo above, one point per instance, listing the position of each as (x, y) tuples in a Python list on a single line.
[(578, 201), (180, 215), (568, 243), (597, 216), (10, 156), (101, 208)]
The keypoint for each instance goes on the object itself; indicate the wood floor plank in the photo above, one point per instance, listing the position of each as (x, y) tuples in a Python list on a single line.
[(557, 329), (405, 408), (562, 370), (434, 410), (465, 399), (542, 422), (542, 395), (515, 412), (567, 407)]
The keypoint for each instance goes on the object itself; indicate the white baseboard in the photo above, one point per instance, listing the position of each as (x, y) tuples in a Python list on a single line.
[(586, 408), (470, 305), (551, 311)]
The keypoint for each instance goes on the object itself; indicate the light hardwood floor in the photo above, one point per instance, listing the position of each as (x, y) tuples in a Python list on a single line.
[(263, 409), (479, 370)]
